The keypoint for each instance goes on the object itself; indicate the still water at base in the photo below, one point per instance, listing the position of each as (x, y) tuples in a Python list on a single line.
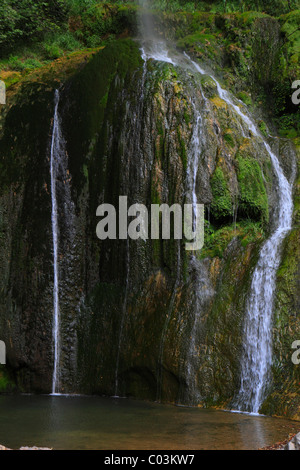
[(96, 423)]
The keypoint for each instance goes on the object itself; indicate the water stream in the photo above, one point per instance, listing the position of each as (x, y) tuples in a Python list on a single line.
[(257, 355), (256, 360), (55, 155), (64, 253)]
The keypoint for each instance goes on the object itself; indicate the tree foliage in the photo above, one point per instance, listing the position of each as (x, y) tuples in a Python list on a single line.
[(24, 20)]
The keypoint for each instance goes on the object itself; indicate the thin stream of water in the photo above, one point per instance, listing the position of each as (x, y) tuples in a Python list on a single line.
[(55, 153)]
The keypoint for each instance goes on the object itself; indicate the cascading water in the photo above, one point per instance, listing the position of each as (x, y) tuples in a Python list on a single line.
[(191, 363), (64, 257), (152, 47), (156, 49), (55, 153), (257, 357), (194, 154)]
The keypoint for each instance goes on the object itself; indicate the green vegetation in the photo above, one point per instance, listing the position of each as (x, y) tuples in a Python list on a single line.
[(33, 33), (253, 199), (217, 239), (222, 206), (272, 7), (6, 384), (32, 30)]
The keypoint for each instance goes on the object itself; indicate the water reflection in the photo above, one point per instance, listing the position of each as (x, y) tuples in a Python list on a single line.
[(64, 422)]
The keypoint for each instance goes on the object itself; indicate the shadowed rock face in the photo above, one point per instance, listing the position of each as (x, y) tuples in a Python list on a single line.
[(150, 317)]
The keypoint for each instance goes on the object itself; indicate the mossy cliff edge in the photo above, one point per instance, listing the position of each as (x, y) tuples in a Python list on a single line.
[(129, 310)]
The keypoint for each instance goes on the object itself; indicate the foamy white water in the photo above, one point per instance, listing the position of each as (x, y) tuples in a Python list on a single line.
[(256, 361), (257, 357), (55, 153), (194, 154)]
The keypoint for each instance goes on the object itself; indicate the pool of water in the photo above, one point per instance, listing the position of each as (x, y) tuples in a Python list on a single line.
[(96, 423)]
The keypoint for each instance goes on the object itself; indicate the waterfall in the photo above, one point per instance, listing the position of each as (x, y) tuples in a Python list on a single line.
[(55, 153), (64, 259), (192, 360), (256, 360), (197, 144), (257, 356), (152, 47)]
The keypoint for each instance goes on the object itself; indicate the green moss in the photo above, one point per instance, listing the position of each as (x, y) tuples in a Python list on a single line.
[(216, 241), (245, 97), (263, 128), (193, 39), (187, 118), (229, 138), (209, 86), (249, 17), (285, 397), (290, 27), (93, 92), (182, 149), (6, 384), (253, 199), (159, 148), (222, 204)]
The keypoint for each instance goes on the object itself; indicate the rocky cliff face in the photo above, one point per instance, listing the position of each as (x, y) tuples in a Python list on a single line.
[(143, 319)]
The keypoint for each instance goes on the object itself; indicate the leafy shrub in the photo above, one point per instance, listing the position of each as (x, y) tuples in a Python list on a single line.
[(55, 45), (22, 21)]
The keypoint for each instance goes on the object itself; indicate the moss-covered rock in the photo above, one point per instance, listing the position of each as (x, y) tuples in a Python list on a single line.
[(253, 199), (7, 385), (222, 204)]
